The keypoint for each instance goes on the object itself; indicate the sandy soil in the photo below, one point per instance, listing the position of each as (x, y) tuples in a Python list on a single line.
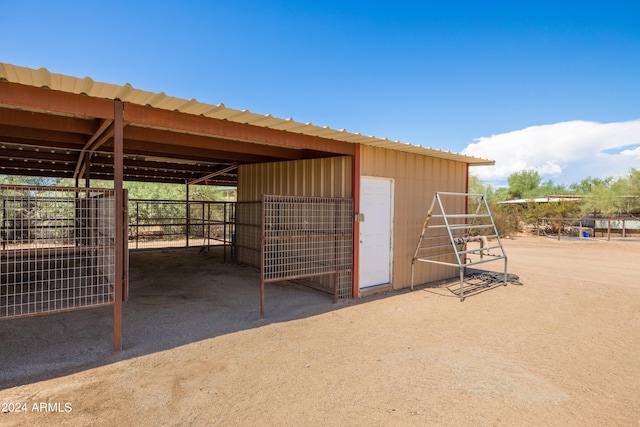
[(563, 349)]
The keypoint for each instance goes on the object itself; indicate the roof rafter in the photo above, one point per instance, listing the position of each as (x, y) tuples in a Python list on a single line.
[(213, 175), (105, 131)]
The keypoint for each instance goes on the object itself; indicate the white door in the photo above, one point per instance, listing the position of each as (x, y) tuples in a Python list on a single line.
[(376, 200)]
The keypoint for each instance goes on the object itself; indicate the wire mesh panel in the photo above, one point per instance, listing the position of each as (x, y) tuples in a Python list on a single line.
[(247, 237), (307, 237), (58, 249)]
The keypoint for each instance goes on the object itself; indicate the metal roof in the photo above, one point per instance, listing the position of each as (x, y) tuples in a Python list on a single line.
[(43, 78), (548, 199)]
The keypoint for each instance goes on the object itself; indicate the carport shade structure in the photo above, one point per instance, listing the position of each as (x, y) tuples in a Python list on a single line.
[(53, 125)]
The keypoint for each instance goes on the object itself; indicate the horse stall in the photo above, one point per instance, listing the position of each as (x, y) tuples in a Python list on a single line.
[(307, 237), (308, 240), (58, 249)]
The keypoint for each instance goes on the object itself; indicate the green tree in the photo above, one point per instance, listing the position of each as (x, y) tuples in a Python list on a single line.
[(476, 186), (614, 197), (523, 184), (627, 193), (549, 188), (586, 185), (37, 181), (500, 195)]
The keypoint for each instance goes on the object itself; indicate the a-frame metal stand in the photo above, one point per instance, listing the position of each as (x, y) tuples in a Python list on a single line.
[(446, 234)]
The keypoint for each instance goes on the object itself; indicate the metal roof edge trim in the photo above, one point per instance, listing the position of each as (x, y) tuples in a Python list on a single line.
[(127, 93)]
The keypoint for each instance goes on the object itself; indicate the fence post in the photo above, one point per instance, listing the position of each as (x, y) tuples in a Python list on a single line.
[(4, 217), (188, 216), (203, 225), (224, 230), (137, 222)]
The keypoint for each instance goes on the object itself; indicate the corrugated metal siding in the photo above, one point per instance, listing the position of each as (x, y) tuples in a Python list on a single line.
[(416, 179), (330, 177)]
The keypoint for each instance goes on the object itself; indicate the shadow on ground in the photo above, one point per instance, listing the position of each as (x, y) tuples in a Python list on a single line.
[(176, 297), (475, 281)]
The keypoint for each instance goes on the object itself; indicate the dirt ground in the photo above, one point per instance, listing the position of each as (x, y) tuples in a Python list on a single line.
[(562, 349)]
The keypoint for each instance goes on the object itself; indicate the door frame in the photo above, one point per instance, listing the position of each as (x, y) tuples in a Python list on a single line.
[(391, 230)]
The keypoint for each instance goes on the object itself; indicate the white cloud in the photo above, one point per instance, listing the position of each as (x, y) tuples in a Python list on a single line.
[(563, 152)]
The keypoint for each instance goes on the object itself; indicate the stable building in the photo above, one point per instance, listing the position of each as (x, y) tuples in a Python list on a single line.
[(336, 209)]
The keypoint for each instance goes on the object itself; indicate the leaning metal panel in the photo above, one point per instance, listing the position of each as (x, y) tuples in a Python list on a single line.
[(455, 222), (58, 249), (306, 237)]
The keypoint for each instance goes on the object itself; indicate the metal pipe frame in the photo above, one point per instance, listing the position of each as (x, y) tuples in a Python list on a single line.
[(460, 263), (121, 245)]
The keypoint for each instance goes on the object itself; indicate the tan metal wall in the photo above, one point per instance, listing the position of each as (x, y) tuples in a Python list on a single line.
[(330, 177), (416, 179)]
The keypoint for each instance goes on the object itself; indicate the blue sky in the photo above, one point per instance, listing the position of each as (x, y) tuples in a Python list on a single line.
[(554, 85)]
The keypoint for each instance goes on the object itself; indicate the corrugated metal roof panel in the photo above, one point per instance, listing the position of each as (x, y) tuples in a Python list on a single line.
[(126, 93)]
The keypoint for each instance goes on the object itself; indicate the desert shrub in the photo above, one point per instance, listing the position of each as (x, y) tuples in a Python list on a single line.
[(506, 218)]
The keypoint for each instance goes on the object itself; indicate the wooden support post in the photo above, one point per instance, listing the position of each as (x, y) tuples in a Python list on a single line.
[(559, 228), (118, 166)]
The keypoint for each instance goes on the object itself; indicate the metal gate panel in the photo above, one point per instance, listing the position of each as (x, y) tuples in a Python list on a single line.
[(173, 223), (306, 237), (58, 249)]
